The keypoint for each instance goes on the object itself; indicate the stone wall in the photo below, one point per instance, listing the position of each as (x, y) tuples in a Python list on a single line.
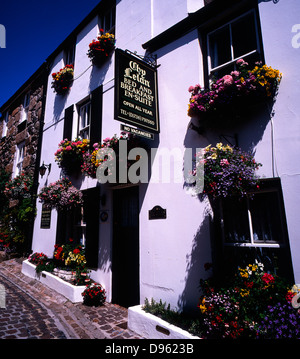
[(18, 131)]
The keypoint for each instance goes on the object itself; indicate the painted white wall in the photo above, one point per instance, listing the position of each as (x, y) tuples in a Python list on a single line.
[(277, 22)]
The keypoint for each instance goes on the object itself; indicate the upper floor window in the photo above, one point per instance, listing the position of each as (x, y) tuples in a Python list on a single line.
[(84, 120), (107, 20), (4, 124), (19, 159), (235, 40), (25, 107), (69, 55)]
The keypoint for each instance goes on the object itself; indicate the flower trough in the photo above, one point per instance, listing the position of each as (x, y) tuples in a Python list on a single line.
[(68, 290), (150, 326)]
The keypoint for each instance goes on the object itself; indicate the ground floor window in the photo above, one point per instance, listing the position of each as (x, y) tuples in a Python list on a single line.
[(82, 225), (254, 228)]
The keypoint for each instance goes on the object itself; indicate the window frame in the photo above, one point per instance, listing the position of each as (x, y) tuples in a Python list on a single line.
[(112, 21), (4, 124), (20, 153), (69, 55), (271, 185), (79, 130), (207, 56), (25, 107)]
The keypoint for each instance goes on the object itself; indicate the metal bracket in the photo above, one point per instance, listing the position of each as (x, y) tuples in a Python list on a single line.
[(151, 60)]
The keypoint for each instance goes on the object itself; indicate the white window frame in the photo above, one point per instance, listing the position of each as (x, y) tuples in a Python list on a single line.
[(233, 60), (25, 107), (20, 154), (4, 124), (84, 113), (252, 242)]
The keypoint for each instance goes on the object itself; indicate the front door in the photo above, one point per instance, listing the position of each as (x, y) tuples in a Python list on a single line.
[(125, 261)]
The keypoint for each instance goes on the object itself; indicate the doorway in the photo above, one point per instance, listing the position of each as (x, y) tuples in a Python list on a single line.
[(125, 251)]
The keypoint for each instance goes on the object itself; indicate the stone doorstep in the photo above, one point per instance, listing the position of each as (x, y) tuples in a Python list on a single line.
[(151, 327), (71, 292)]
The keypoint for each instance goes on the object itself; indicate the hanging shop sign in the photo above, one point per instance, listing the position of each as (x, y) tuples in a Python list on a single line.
[(136, 99)]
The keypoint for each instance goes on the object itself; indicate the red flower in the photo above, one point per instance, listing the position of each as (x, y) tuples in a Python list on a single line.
[(76, 251)]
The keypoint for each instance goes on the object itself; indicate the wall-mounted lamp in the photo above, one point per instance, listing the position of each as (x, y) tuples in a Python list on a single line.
[(43, 169)]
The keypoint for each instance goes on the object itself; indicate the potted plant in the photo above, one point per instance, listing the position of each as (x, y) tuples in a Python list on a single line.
[(228, 171), (94, 295), (61, 195), (63, 79), (228, 97), (101, 48)]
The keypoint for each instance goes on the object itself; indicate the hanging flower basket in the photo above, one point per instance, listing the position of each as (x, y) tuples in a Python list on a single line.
[(63, 79), (61, 195), (100, 49), (70, 155), (19, 187), (228, 171), (229, 98)]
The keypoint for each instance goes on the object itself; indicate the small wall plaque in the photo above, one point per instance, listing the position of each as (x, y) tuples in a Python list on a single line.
[(45, 218), (157, 212)]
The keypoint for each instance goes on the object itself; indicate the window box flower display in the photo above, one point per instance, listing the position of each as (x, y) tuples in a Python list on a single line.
[(61, 195), (92, 162), (228, 98), (228, 171), (69, 155), (251, 303), (63, 79), (100, 49)]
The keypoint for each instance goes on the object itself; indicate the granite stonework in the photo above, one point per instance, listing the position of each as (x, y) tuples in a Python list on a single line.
[(19, 130)]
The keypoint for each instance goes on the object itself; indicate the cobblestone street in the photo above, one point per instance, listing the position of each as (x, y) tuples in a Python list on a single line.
[(34, 311)]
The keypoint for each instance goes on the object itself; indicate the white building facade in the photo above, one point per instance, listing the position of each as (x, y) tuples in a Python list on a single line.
[(133, 255)]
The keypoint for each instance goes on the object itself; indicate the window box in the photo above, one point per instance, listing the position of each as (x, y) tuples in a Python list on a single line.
[(229, 98), (151, 327), (71, 292), (100, 49)]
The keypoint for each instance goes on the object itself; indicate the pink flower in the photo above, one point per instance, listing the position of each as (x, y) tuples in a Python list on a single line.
[(224, 162), (69, 148), (227, 80), (235, 73)]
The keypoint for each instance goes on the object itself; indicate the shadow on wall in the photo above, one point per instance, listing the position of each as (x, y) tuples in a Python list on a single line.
[(58, 108), (195, 271), (98, 73)]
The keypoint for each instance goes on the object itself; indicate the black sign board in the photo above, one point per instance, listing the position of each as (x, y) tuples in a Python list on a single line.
[(157, 212), (45, 218), (136, 99)]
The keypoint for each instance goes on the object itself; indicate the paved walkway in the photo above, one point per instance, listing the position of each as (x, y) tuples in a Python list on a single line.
[(36, 311)]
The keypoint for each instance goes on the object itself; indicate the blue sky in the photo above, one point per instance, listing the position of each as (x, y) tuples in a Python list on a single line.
[(34, 29)]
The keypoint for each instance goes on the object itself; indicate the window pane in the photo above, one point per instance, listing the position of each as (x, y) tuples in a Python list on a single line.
[(219, 47), (275, 260), (244, 35), (266, 219), (236, 225)]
